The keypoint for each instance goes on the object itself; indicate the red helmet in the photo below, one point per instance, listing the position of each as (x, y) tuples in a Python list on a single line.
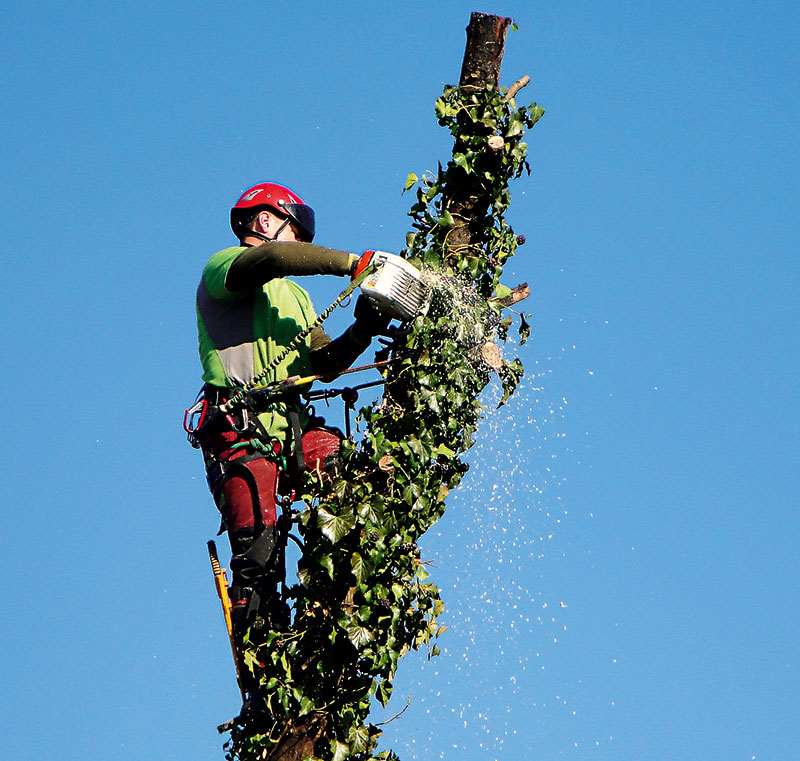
[(270, 195)]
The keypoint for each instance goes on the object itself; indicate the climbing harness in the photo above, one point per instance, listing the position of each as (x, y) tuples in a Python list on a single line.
[(203, 412), (206, 417)]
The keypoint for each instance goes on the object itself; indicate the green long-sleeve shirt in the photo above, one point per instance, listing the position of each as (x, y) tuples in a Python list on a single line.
[(248, 312)]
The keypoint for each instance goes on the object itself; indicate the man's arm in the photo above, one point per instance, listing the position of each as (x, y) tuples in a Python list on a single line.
[(329, 357), (260, 264)]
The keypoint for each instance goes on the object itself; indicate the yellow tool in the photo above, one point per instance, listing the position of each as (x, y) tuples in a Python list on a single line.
[(221, 582)]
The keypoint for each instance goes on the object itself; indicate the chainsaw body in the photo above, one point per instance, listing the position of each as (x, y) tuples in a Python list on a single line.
[(395, 287)]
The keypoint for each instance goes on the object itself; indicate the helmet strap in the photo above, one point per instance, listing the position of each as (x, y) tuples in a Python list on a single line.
[(254, 234), (266, 238), (280, 229)]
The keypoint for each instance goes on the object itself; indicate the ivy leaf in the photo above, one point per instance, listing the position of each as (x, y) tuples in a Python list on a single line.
[(501, 292), (335, 527), (359, 636), (502, 328), (459, 159), (357, 567), (444, 451), (411, 180), (306, 705), (326, 561), (340, 750), (524, 329), (515, 127), (359, 739), (411, 493), (510, 373), (372, 511), (384, 692), (429, 398), (250, 660)]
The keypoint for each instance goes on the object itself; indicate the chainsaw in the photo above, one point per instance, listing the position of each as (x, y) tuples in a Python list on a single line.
[(393, 285)]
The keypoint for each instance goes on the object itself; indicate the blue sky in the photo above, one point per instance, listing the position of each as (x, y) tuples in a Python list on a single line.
[(619, 567)]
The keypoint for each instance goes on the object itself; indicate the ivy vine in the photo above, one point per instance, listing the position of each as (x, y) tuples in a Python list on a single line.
[(364, 597)]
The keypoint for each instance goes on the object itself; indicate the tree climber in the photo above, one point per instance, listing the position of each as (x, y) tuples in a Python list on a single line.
[(247, 313)]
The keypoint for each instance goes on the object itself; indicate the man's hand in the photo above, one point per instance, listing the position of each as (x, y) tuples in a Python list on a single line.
[(361, 264), (370, 321)]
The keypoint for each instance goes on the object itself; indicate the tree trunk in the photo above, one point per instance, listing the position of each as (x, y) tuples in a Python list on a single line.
[(299, 742), (481, 68), (486, 39)]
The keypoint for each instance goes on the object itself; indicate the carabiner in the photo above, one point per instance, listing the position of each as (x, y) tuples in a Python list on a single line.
[(245, 427), (195, 417)]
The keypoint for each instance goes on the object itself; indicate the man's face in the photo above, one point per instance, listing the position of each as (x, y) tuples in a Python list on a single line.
[(274, 224)]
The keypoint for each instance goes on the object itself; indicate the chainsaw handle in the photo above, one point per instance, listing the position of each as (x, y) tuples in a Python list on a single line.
[(362, 264)]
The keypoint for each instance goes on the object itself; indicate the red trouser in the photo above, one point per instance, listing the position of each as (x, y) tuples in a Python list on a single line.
[(243, 482), (248, 499)]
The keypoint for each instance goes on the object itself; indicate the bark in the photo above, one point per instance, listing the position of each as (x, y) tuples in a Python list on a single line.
[(299, 742), (517, 294), (486, 39)]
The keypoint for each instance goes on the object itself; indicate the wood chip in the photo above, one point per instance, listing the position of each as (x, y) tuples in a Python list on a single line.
[(490, 354), (496, 143)]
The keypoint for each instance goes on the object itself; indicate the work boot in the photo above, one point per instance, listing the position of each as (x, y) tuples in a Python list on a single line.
[(257, 613), (246, 615)]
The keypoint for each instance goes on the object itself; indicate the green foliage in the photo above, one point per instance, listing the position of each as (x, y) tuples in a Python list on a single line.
[(364, 599)]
